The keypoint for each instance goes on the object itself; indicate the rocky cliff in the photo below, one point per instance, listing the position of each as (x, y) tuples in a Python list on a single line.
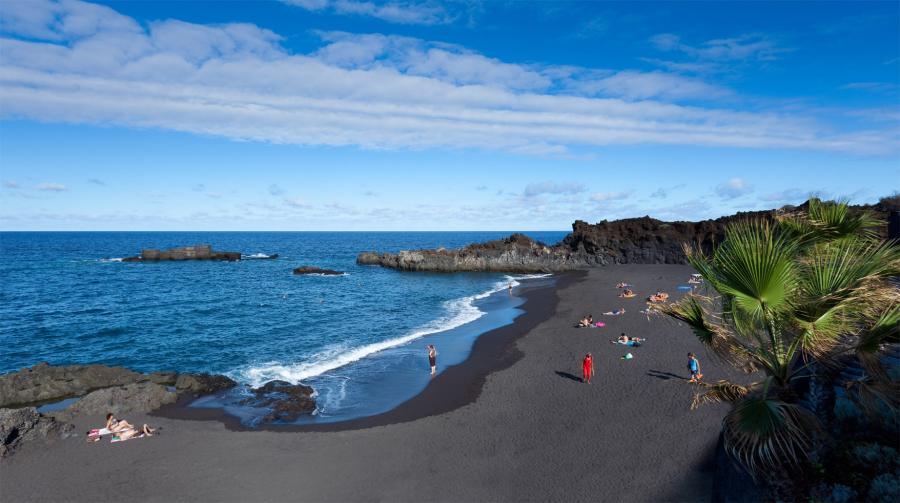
[(642, 240)]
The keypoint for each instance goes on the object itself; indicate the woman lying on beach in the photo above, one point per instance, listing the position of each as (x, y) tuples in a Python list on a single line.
[(659, 297), (627, 294), (123, 435), (624, 339), (586, 321), (114, 425), (615, 312), (624, 285)]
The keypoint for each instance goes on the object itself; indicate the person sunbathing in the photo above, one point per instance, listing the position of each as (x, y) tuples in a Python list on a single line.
[(134, 433), (615, 312), (623, 285), (659, 297), (586, 321), (114, 425), (627, 294)]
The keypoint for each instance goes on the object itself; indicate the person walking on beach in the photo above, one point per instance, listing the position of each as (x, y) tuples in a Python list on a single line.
[(587, 368), (432, 358), (694, 368)]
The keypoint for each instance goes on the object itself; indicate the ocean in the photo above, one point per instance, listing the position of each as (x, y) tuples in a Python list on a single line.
[(358, 339)]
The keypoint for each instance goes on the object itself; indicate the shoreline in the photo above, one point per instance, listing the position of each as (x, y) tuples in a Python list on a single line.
[(454, 387)]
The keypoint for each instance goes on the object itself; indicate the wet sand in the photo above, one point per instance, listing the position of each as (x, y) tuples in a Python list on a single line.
[(512, 423)]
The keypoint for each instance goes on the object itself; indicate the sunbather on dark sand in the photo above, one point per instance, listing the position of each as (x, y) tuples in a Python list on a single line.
[(615, 312), (135, 433), (586, 321)]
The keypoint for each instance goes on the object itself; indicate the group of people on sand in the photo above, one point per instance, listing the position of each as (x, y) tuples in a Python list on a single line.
[(120, 430), (587, 363)]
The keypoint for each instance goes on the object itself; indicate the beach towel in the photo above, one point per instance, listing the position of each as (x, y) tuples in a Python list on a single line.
[(599, 324)]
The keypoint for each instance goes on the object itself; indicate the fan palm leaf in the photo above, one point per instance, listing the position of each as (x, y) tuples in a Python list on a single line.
[(766, 433), (721, 391)]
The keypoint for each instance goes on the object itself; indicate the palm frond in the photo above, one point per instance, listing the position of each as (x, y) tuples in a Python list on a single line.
[(723, 343), (721, 391), (754, 266), (766, 433), (875, 398)]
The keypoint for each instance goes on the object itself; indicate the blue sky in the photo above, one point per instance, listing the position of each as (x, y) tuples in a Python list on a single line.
[(423, 115)]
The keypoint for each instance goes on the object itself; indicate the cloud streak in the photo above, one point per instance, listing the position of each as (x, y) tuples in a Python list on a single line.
[(407, 12), (82, 63)]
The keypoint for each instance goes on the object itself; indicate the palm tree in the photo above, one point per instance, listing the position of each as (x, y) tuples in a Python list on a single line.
[(804, 288)]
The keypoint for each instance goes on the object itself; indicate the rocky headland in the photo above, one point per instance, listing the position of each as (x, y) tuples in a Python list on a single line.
[(100, 389), (643, 240)]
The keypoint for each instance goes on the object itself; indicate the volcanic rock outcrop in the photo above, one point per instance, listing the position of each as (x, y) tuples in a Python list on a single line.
[(641, 240), (308, 269), (286, 401), (18, 426), (197, 252)]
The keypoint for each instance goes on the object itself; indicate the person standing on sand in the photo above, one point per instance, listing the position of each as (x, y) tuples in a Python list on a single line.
[(432, 358), (587, 368), (694, 368)]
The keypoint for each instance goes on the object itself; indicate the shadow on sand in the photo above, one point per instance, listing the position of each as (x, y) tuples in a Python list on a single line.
[(569, 376), (664, 375)]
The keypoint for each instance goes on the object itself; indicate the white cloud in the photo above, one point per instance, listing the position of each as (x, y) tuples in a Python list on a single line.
[(376, 92), (602, 197), (635, 85), (742, 48), (96, 181), (787, 196), (402, 12), (276, 190), (51, 187), (9, 184), (875, 87), (733, 188), (297, 203), (550, 187)]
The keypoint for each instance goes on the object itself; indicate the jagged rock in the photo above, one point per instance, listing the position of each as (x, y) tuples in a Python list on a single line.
[(18, 426), (307, 269), (287, 401), (136, 397), (196, 252), (642, 240), (202, 384), (44, 382), (165, 378)]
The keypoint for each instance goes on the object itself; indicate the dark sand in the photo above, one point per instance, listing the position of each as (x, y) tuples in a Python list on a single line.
[(530, 431)]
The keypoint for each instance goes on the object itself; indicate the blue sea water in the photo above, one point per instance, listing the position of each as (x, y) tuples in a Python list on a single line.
[(358, 339)]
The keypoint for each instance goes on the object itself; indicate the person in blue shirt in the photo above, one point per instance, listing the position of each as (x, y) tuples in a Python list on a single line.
[(694, 367)]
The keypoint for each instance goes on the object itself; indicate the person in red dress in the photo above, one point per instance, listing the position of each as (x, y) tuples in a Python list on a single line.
[(587, 368)]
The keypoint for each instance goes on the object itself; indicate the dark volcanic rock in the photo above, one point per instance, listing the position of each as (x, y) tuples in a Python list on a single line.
[(307, 269), (18, 426), (136, 397), (202, 384), (642, 240), (43, 382), (196, 252), (287, 401)]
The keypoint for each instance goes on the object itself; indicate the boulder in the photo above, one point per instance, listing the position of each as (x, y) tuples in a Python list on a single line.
[(202, 384), (287, 401), (307, 269), (18, 426), (136, 397), (44, 382)]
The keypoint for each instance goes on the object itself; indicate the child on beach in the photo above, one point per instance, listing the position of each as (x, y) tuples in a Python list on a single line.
[(694, 368), (432, 358), (587, 368)]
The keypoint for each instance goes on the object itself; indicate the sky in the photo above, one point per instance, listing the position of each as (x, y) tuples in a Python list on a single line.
[(425, 115)]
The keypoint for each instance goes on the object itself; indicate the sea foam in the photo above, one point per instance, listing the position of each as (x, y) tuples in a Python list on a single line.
[(458, 312)]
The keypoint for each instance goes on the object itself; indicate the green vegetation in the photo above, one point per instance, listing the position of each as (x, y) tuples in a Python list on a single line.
[(800, 300)]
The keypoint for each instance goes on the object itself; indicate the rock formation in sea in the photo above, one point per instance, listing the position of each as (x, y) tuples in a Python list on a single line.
[(197, 252), (308, 269), (286, 401), (643, 240)]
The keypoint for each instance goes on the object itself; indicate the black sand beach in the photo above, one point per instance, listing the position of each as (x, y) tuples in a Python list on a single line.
[(512, 423)]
